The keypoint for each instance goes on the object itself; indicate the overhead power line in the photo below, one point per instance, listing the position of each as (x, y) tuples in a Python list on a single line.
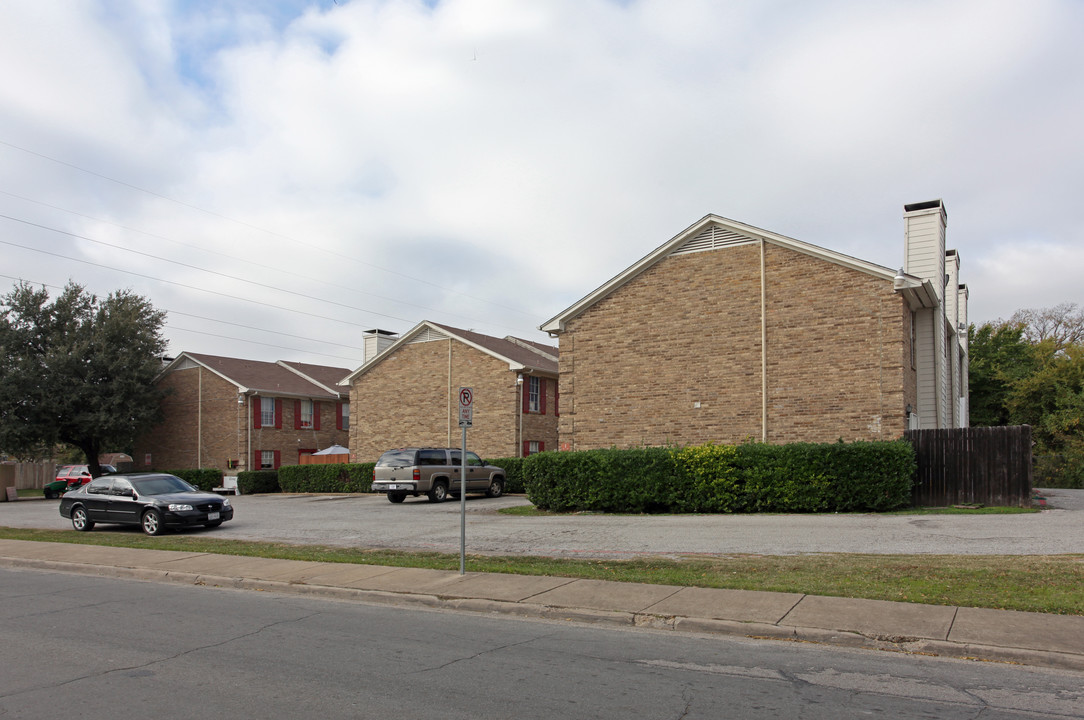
[(256, 227)]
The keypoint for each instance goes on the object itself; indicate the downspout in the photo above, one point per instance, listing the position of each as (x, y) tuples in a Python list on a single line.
[(938, 365), (449, 393), (199, 421), (248, 426), (519, 412), (763, 348)]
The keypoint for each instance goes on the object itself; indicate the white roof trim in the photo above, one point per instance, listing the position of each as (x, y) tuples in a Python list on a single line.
[(185, 356), (731, 229), (432, 329), (314, 381)]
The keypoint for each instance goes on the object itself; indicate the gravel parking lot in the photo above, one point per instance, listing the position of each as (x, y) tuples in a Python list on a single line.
[(371, 521)]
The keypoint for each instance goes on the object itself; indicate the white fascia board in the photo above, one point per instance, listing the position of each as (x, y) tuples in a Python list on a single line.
[(512, 364), (185, 356), (386, 352), (557, 323), (918, 293), (311, 379)]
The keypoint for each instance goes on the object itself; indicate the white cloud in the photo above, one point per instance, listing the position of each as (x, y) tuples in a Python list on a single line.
[(485, 163)]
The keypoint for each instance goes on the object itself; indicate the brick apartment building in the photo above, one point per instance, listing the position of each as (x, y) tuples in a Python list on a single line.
[(235, 414), (408, 394), (730, 333)]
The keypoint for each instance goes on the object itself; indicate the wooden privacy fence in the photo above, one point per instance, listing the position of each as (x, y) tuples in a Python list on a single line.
[(33, 475), (980, 465)]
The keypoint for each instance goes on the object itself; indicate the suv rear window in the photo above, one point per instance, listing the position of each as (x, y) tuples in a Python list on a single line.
[(396, 458), (431, 457)]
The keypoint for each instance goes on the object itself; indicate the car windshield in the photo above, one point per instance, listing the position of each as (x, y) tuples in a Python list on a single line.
[(161, 485), (396, 458)]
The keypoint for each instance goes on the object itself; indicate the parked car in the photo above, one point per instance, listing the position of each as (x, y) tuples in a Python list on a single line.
[(435, 472), (72, 476), (154, 501)]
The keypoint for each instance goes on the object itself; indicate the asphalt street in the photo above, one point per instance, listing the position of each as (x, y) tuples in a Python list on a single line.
[(371, 521), (109, 648)]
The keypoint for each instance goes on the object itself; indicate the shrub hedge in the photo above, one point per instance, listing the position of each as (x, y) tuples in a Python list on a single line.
[(513, 473), (250, 482), (206, 479), (756, 477), (338, 478)]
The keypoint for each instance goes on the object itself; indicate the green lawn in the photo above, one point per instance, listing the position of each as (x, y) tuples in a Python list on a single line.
[(1049, 583)]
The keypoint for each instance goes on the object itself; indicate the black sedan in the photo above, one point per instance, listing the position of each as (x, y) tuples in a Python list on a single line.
[(153, 501)]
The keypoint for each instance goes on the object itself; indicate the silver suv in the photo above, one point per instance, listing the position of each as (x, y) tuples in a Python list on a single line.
[(435, 472)]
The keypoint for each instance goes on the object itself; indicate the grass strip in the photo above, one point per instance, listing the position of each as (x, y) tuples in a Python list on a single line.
[(1034, 583)]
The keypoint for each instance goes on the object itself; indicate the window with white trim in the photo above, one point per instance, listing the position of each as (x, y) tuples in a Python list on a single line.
[(306, 414), (267, 412), (534, 394)]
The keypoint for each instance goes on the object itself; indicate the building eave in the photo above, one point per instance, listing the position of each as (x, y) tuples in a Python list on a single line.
[(558, 323)]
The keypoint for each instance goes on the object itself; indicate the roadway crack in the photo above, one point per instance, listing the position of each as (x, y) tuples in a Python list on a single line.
[(157, 661), (478, 654)]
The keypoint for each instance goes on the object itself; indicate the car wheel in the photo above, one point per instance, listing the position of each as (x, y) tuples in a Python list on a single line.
[(152, 523), (50, 494), (439, 493), (80, 520), (213, 524), (396, 497), (496, 488)]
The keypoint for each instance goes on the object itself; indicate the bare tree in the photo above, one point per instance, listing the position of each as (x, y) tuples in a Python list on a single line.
[(1062, 324)]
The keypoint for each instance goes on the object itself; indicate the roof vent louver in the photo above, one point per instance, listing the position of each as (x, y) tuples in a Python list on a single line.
[(712, 237), (427, 335)]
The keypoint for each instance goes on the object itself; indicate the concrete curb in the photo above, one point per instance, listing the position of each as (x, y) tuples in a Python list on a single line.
[(525, 609)]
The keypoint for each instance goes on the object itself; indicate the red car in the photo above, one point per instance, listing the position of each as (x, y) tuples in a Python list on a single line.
[(76, 475)]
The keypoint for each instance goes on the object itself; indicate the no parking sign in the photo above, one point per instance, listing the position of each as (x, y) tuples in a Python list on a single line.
[(466, 407)]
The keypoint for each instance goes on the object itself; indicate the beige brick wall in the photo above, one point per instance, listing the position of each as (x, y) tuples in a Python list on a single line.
[(411, 399), (674, 357), (203, 405)]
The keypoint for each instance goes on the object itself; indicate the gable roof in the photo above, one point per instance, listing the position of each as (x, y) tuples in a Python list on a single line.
[(521, 355), (711, 232), (264, 378), (329, 378)]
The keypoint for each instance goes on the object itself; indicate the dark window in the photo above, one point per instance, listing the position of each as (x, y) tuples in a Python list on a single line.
[(431, 457)]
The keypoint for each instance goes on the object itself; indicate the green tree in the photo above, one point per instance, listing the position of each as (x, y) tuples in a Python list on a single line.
[(78, 370), (1051, 399), (999, 357)]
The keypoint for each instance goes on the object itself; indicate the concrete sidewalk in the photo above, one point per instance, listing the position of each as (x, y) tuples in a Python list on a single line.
[(998, 635)]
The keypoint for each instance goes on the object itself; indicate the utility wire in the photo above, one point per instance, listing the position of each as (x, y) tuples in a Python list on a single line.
[(189, 287), (227, 322), (246, 261), (256, 227), (197, 267)]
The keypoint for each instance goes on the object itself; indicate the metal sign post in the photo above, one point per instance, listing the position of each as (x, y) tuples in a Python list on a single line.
[(466, 420)]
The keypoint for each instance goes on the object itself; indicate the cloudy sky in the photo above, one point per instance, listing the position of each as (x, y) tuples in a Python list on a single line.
[(282, 176)]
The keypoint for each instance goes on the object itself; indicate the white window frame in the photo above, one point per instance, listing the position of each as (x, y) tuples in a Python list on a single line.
[(534, 394), (306, 414), (267, 460), (346, 415), (267, 411)]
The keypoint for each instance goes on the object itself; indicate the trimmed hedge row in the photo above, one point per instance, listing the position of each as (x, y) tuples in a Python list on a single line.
[(513, 473), (206, 479), (338, 478), (801, 477), (251, 482)]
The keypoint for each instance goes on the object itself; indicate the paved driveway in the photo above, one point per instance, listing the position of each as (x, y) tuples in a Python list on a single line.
[(371, 521)]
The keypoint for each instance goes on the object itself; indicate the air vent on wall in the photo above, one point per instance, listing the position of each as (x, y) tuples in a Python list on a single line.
[(712, 238), (427, 335)]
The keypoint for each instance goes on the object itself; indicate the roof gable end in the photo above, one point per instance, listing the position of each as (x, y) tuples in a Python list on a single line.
[(711, 232)]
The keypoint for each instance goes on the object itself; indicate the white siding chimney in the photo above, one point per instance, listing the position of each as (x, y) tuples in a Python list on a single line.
[(376, 341), (924, 257)]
